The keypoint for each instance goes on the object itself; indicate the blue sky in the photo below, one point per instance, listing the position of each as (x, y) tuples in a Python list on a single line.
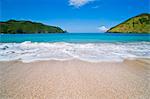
[(74, 15)]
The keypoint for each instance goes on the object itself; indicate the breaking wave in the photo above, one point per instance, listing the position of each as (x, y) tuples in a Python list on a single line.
[(93, 52)]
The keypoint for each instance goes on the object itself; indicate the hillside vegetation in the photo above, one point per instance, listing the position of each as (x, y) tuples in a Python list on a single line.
[(137, 24), (14, 27)]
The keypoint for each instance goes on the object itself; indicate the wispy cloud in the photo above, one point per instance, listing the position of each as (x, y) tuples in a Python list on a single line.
[(95, 7), (79, 3), (102, 29)]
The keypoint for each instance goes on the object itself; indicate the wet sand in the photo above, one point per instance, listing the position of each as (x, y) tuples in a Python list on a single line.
[(75, 79)]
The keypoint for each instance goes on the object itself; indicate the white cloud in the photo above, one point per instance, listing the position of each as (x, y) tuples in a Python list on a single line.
[(79, 3), (103, 29)]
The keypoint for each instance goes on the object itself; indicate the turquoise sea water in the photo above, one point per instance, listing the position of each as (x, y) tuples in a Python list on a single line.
[(91, 47), (74, 37)]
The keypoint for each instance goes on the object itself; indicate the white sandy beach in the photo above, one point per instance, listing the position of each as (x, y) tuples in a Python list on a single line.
[(74, 79)]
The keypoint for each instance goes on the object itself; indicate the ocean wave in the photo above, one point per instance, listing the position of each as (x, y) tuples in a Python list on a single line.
[(93, 52)]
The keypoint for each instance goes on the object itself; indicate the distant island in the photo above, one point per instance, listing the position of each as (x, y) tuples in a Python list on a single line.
[(15, 27), (137, 24)]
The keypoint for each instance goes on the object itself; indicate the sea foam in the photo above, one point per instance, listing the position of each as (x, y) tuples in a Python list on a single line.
[(93, 52)]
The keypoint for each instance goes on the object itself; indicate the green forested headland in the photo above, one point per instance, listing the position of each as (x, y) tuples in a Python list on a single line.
[(137, 24), (14, 27)]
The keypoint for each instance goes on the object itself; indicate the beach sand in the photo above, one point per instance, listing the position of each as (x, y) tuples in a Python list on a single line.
[(75, 79)]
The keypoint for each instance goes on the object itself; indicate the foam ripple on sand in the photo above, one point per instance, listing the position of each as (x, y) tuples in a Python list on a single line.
[(29, 51)]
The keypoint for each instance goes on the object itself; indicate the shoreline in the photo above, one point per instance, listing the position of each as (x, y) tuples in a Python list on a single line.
[(147, 60), (75, 79)]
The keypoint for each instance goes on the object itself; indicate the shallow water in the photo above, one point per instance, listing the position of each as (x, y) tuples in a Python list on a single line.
[(74, 37), (88, 47)]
